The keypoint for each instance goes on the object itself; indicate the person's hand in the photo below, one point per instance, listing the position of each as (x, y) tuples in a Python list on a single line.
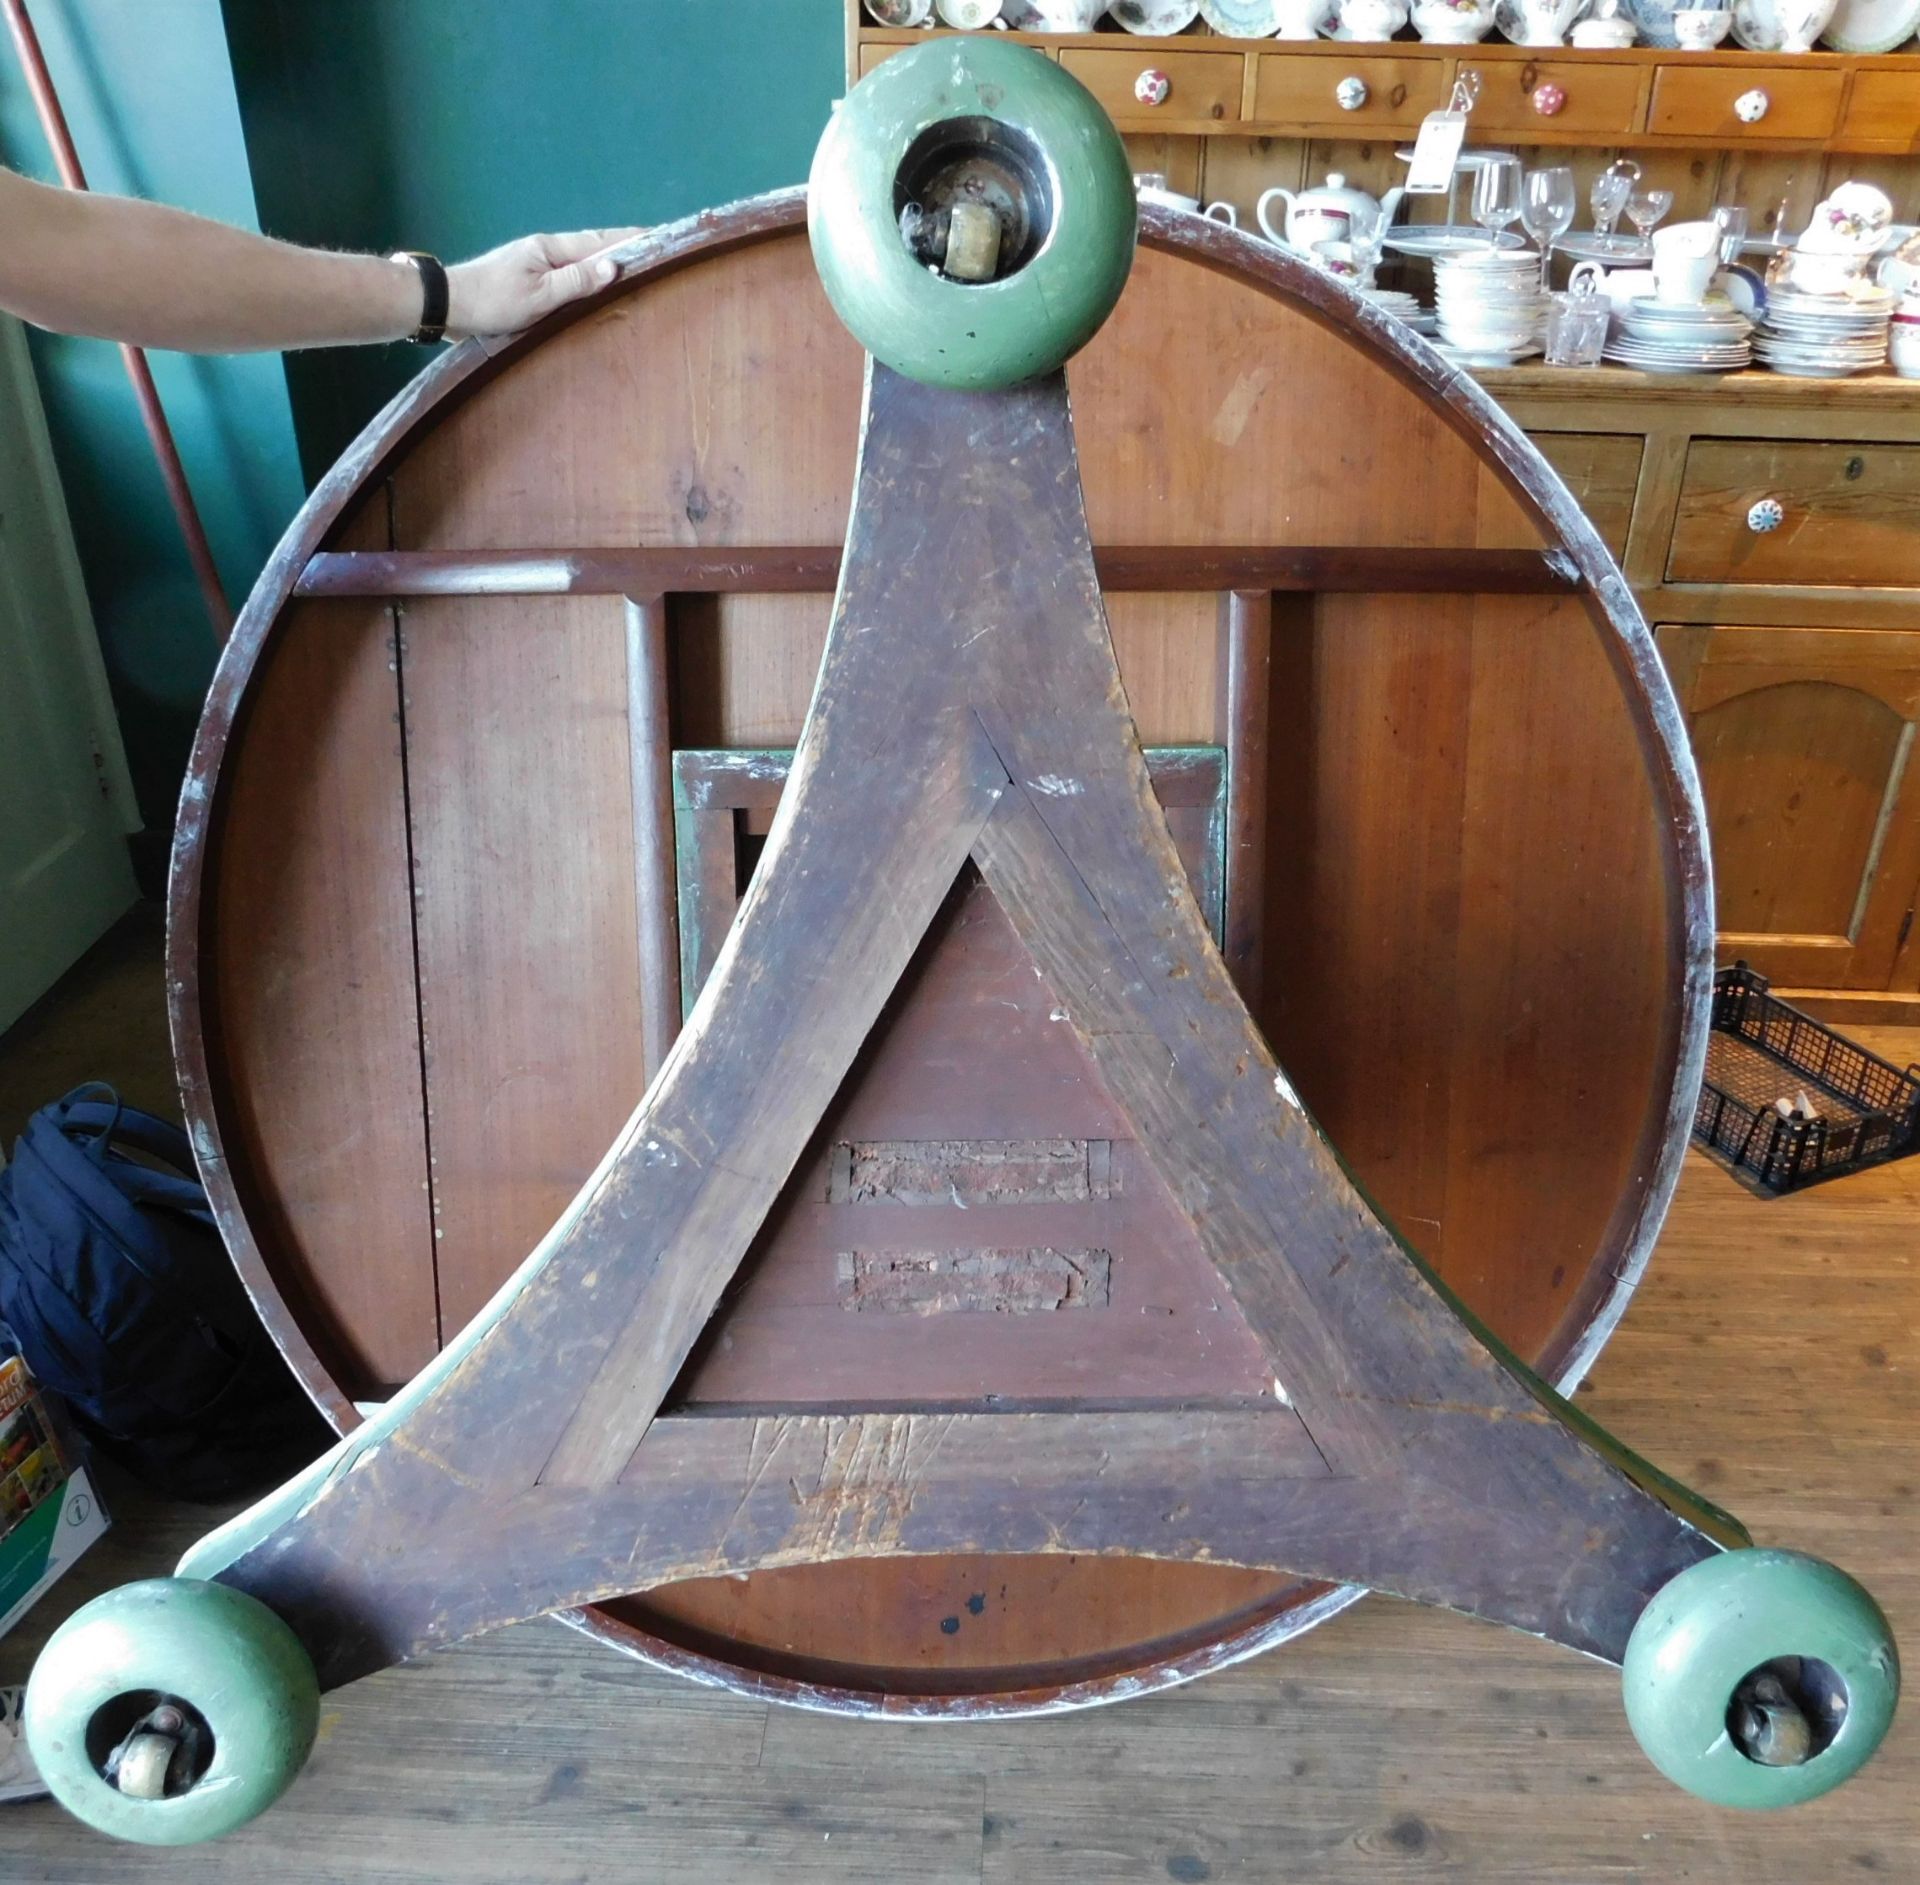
[(512, 287)]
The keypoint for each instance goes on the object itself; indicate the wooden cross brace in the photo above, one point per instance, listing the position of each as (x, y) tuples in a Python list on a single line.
[(968, 707)]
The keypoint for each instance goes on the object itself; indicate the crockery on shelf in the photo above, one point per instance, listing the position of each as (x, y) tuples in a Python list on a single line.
[(1155, 18), (1331, 211), (901, 12), (1700, 29), (1826, 336), (1368, 20), (1453, 22), (1903, 342), (1872, 25), (1151, 187), (1654, 18), (1301, 19), (1780, 25), (1242, 19), (1053, 16), (1536, 22), (1608, 35)]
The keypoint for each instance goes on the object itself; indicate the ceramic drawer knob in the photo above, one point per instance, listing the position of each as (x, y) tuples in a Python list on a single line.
[(1549, 100), (1152, 86), (1768, 514), (1350, 94), (1751, 107)]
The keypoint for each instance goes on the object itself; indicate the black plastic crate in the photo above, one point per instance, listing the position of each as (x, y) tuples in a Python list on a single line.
[(1761, 1050)]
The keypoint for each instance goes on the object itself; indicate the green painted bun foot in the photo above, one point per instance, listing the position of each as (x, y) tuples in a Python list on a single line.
[(1760, 1678), (915, 151), (198, 1697)]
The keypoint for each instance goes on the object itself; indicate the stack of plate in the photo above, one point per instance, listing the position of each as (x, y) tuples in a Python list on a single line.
[(1401, 305), (1490, 306), (1680, 336), (1826, 337)]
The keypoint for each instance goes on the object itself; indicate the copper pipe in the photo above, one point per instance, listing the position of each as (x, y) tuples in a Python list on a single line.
[(53, 121)]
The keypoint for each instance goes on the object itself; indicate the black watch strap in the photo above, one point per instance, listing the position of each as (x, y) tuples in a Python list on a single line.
[(433, 295)]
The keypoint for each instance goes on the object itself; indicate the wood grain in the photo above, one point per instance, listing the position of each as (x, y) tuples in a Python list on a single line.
[(1805, 741), (1849, 513), (523, 848), (1397, 1741), (743, 666), (312, 1024)]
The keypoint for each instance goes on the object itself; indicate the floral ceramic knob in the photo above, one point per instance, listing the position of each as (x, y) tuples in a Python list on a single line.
[(1549, 100), (1350, 94), (1152, 86), (1751, 107), (1768, 514)]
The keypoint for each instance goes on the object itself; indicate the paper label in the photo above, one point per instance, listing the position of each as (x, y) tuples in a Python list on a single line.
[(1435, 153)]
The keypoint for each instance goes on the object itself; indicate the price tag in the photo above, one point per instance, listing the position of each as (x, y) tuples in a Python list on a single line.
[(1435, 152), (1437, 149)]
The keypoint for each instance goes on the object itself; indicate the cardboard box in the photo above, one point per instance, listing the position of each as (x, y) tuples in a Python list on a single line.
[(49, 1511)]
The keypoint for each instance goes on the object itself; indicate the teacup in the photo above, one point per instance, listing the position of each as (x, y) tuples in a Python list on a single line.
[(1151, 187), (1300, 19), (1603, 35), (1903, 339), (901, 12), (1680, 276), (968, 16), (1372, 19), (1700, 29), (1343, 262), (1697, 238), (1311, 224)]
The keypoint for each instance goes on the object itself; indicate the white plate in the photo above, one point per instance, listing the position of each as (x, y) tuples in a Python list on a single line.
[(1157, 18), (1871, 25), (1242, 19), (1436, 239), (1588, 247)]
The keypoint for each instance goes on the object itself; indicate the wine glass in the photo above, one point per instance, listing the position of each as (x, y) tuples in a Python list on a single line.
[(1547, 212), (1611, 188), (1644, 210), (1496, 198), (1731, 219)]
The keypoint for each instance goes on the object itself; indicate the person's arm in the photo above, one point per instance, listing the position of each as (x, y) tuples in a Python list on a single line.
[(121, 269)]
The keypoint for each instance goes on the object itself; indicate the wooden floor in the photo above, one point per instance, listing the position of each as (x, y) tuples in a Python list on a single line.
[(1771, 1359)]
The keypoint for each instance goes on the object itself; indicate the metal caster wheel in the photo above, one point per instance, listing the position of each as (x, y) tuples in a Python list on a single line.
[(1760, 1678), (171, 1711), (972, 214)]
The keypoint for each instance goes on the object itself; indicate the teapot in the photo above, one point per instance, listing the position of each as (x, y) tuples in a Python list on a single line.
[(1327, 214)]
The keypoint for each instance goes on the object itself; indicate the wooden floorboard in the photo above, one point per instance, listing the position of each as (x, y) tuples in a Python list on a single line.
[(1772, 1359)]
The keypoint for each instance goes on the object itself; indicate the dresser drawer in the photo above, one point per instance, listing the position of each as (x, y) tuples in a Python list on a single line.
[(1202, 87), (1596, 99), (1698, 101), (1291, 90), (1849, 512), (1884, 109)]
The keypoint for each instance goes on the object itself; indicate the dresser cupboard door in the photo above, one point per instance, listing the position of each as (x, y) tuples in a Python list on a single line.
[(1804, 739)]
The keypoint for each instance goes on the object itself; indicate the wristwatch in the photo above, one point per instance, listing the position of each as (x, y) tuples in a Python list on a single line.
[(433, 294)]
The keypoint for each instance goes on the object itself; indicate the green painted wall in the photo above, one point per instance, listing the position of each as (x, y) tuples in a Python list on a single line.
[(149, 94), (449, 125), (453, 125)]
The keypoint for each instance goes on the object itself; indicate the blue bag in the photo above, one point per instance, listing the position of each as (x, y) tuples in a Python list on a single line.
[(117, 1287)]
